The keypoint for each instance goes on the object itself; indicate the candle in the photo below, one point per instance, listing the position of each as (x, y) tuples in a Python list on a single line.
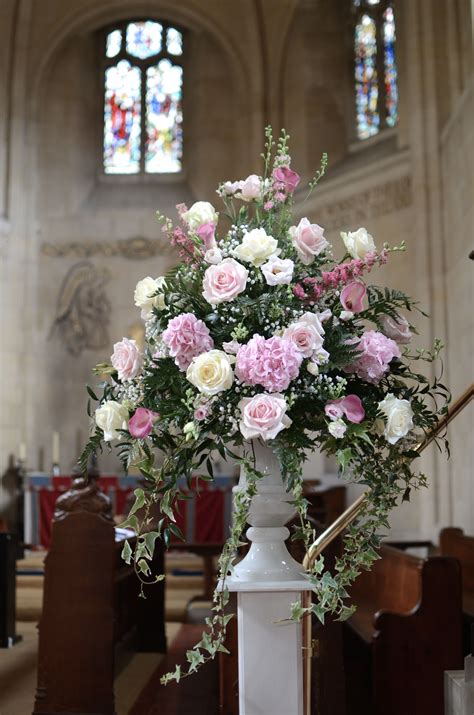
[(22, 452), (55, 447)]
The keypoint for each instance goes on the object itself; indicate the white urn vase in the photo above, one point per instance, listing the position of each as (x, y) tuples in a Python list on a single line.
[(268, 559)]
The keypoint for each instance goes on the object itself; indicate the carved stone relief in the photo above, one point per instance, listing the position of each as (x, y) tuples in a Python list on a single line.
[(83, 309)]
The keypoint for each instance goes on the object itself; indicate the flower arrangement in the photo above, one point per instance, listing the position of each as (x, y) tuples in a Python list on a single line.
[(259, 333)]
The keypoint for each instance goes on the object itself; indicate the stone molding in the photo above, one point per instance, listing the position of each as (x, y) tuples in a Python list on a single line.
[(131, 248)]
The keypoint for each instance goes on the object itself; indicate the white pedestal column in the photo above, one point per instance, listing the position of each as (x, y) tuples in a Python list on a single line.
[(268, 580)]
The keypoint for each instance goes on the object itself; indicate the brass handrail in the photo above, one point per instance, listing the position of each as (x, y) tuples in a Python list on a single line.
[(351, 513)]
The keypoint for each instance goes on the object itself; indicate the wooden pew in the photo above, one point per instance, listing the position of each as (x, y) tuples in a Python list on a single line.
[(454, 543), (406, 632), (90, 605)]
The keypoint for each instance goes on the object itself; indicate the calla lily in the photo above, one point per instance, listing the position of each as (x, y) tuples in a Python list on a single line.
[(352, 296)]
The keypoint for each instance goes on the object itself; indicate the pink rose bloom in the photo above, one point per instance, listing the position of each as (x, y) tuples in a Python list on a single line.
[(201, 411), (250, 188), (126, 359), (398, 330), (206, 233), (186, 338), (352, 296), (350, 406), (377, 352), (308, 239), (272, 363), (141, 424), (263, 416), (224, 281), (306, 334), (286, 178)]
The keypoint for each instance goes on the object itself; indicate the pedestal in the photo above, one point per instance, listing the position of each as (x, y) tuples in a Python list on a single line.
[(268, 580)]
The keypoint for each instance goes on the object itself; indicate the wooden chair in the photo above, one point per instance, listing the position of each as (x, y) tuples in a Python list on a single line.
[(453, 542)]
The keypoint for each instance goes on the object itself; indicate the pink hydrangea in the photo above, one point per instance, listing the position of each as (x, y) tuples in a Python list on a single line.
[(272, 363), (187, 337), (377, 351)]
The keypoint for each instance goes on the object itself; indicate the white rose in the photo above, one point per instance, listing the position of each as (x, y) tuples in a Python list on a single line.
[(278, 271), (358, 243), (398, 330), (398, 417), (213, 256), (256, 247), (200, 213), (250, 188), (144, 295), (110, 417), (337, 428), (211, 372)]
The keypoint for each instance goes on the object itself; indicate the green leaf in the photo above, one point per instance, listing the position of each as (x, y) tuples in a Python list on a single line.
[(149, 539), (143, 567), (126, 553), (344, 457), (92, 393), (140, 501)]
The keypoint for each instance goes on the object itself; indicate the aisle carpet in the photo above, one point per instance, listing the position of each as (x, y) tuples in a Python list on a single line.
[(196, 695)]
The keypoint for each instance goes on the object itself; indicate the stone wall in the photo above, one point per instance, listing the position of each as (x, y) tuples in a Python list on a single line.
[(68, 234)]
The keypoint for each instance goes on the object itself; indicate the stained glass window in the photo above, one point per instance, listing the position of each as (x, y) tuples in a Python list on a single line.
[(143, 81), (375, 68), (391, 90), (366, 81)]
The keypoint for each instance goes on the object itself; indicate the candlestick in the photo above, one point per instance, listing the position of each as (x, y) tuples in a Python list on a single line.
[(22, 452), (55, 447)]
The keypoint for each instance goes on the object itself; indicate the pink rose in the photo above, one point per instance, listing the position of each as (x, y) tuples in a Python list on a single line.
[(350, 406), (224, 281), (286, 178), (272, 363), (126, 359), (352, 296), (141, 424), (186, 337), (377, 351), (308, 239), (398, 330), (206, 233), (201, 411), (306, 334), (263, 416)]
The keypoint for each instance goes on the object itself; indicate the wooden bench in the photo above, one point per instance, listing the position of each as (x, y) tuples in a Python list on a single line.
[(90, 605), (453, 542), (406, 632)]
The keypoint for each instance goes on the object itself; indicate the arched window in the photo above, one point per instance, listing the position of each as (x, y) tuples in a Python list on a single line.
[(143, 79), (375, 68)]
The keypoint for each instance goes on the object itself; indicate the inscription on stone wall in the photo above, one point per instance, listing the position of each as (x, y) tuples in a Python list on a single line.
[(357, 209), (132, 248)]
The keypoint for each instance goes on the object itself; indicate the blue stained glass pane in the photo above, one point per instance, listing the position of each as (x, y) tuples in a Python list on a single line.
[(366, 81), (174, 42), (122, 119), (391, 89), (113, 44), (144, 39), (164, 142)]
